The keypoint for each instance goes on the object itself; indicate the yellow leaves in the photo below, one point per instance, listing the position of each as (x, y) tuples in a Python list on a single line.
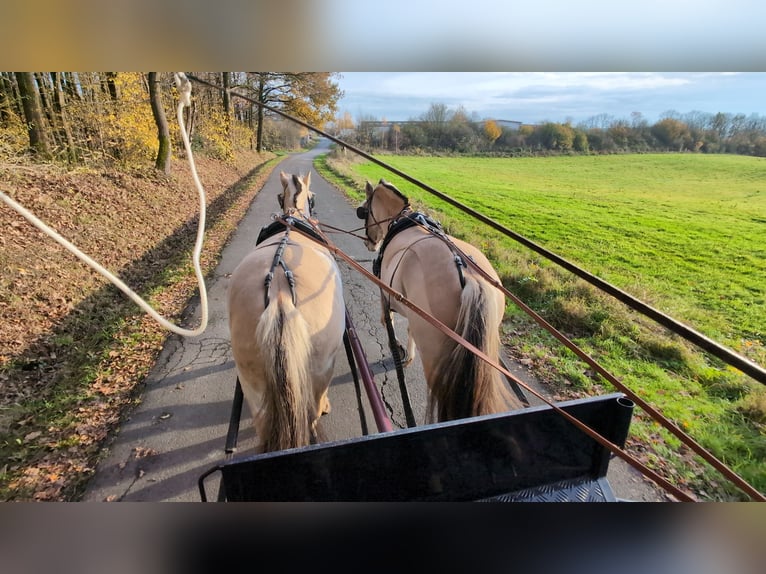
[(214, 131), (492, 130)]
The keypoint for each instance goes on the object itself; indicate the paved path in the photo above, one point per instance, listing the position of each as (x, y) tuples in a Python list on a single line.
[(179, 429)]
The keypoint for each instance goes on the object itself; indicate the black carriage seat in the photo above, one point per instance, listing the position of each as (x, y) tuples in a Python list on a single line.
[(531, 455)]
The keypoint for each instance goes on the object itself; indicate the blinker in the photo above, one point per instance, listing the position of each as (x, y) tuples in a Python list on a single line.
[(362, 212)]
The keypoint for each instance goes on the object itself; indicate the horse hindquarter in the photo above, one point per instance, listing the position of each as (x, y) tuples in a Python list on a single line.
[(284, 352), (460, 383)]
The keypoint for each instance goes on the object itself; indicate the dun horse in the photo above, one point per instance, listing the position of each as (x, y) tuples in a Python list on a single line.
[(287, 319), (422, 263)]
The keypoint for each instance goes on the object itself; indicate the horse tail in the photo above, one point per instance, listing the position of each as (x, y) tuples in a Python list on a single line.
[(288, 407), (466, 385)]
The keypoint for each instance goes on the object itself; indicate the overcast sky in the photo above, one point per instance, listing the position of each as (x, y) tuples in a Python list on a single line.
[(534, 97)]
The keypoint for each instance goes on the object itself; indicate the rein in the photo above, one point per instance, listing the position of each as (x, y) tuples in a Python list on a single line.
[(678, 493)]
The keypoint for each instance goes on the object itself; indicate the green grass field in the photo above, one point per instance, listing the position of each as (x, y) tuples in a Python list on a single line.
[(684, 233)]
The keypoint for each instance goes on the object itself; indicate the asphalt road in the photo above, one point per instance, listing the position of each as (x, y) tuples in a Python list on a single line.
[(179, 429)]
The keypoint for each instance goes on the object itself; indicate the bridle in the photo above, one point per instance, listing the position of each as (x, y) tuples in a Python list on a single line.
[(364, 211), (293, 210)]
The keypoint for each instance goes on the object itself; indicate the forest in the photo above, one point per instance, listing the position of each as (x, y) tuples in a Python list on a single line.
[(118, 119)]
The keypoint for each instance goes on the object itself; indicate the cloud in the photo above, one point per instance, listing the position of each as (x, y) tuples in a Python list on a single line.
[(554, 96)]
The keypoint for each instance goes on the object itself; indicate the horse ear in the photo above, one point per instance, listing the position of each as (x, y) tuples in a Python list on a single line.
[(283, 177), (368, 189), (307, 179)]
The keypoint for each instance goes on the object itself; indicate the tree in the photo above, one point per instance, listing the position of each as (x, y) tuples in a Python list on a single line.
[(492, 130), (59, 106), (434, 123), (310, 96), (671, 133), (580, 142), (620, 133), (163, 132), (557, 136), (33, 114)]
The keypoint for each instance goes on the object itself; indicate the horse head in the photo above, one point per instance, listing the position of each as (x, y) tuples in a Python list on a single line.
[(296, 197), (383, 203)]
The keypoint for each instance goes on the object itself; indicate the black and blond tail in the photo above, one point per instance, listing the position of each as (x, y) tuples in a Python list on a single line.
[(288, 406), (464, 384)]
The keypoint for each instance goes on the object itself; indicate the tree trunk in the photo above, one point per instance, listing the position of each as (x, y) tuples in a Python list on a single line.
[(111, 86), (226, 94), (30, 99), (259, 133), (14, 94), (43, 88), (72, 81), (163, 131), (6, 98), (59, 106), (227, 106)]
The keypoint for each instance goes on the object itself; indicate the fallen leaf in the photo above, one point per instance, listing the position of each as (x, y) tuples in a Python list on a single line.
[(32, 435)]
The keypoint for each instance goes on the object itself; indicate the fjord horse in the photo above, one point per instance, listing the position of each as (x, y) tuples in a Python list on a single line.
[(287, 320), (431, 272)]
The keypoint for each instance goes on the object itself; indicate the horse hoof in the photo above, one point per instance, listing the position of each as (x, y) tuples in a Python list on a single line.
[(405, 356), (326, 406)]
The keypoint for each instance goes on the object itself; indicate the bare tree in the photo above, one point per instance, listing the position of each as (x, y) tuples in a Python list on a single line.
[(59, 107)]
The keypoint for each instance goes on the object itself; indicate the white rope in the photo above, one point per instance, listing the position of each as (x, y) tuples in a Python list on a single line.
[(184, 90)]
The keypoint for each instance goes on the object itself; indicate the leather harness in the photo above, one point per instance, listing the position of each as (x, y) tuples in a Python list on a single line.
[(415, 218), (273, 229)]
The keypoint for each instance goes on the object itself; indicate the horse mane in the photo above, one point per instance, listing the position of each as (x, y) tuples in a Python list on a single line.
[(392, 187)]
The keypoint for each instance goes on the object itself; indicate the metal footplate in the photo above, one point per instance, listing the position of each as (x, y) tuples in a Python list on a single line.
[(576, 490), (532, 454)]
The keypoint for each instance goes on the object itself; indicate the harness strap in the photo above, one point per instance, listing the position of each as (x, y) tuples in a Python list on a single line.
[(277, 226), (412, 219), (281, 262)]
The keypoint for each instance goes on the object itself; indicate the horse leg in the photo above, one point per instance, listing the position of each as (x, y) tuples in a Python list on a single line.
[(386, 317), (324, 405), (409, 355)]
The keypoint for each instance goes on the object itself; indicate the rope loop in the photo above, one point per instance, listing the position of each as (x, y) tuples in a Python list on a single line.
[(184, 89)]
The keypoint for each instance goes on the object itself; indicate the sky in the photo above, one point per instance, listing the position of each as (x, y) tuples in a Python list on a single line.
[(535, 97)]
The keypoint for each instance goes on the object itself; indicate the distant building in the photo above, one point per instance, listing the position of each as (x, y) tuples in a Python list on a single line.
[(509, 124)]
